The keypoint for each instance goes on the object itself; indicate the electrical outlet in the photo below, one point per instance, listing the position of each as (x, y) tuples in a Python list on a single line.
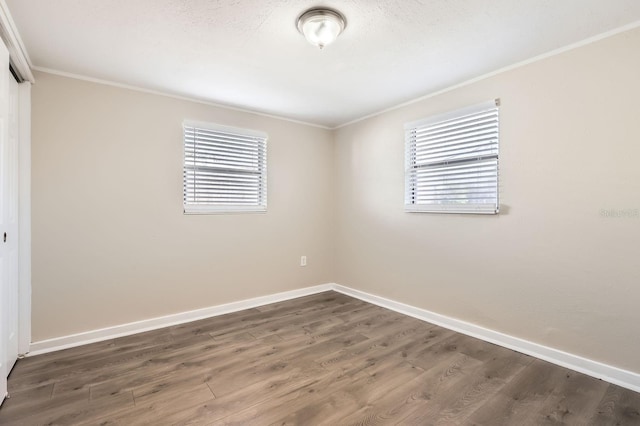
[(303, 260)]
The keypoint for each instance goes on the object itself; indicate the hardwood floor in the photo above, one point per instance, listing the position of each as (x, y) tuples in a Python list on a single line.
[(322, 359)]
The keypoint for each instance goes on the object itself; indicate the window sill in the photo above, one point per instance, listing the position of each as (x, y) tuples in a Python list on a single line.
[(196, 210)]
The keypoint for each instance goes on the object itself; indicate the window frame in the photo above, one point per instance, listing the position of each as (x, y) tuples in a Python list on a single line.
[(261, 139), (441, 167)]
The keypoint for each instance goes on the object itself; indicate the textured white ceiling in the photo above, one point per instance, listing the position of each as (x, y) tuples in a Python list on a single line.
[(248, 53)]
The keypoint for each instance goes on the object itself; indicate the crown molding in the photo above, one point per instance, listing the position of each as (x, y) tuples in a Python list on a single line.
[(19, 58)]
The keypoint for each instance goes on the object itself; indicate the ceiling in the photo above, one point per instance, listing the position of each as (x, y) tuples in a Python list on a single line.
[(249, 54)]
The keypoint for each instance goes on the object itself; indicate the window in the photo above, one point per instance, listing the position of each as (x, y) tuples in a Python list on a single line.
[(225, 169), (451, 162)]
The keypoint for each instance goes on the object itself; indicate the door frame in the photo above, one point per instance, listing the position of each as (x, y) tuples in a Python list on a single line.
[(24, 218), (22, 65)]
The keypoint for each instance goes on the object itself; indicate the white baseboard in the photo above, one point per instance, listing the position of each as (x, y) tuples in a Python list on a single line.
[(611, 374), (92, 336)]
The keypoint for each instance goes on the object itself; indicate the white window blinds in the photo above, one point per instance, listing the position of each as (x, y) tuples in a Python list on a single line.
[(451, 162), (225, 169)]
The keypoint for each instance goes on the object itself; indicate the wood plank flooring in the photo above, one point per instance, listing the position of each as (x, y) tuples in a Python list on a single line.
[(325, 359)]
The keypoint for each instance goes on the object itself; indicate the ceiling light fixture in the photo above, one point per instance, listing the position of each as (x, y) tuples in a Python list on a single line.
[(321, 26)]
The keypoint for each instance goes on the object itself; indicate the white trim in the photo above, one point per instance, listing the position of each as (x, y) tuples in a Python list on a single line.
[(546, 55), (18, 54), (107, 333), (611, 374), (195, 209), (24, 217), (172, 96)]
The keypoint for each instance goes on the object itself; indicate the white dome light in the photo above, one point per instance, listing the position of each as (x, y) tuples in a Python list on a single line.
[(321, 26)]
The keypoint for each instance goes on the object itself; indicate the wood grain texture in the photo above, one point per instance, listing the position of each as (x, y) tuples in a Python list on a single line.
[(325, 359)]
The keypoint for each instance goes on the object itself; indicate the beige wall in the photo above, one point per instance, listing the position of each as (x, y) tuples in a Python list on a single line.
[(549, 268), (110, 242), (111, 245)]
